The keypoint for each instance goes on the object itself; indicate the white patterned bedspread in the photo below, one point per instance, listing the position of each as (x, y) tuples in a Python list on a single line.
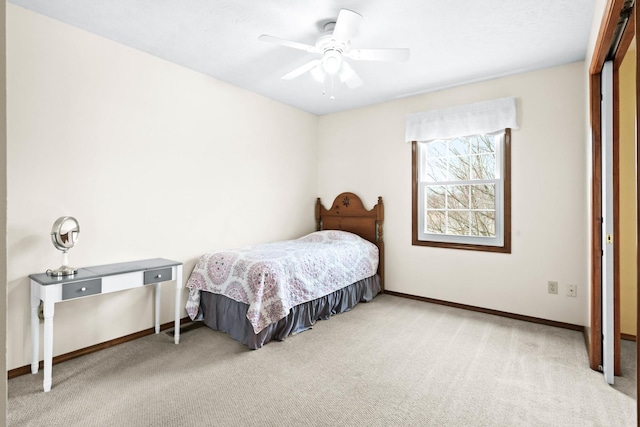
[(274, 277)]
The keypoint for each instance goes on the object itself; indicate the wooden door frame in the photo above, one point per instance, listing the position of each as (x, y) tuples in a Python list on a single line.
[(600, 55), (612, 14)]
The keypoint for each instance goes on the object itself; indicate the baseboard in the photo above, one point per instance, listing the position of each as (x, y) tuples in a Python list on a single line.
[(628, 337), (23, 370), (490, 311)]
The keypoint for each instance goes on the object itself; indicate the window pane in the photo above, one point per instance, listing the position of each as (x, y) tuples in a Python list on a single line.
[(483, 144), (483, 166), (436, 169), (458, 147), (436, 222), (458, 197), (435, 197), (459, 168), (437, 148), (458, 223), (483, 196), (483, 223)]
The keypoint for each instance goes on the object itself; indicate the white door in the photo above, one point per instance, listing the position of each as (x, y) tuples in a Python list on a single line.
[(607, 224)]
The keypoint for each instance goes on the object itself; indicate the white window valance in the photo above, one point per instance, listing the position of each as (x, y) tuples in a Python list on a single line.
[(464, 120)]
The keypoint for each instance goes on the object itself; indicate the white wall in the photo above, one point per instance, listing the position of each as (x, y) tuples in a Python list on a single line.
[(364, 150), (154, 160)]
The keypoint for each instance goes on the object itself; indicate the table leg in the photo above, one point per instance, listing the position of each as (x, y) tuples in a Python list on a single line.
[(48, 343), (35, 327), (157, 313), (176, 335)]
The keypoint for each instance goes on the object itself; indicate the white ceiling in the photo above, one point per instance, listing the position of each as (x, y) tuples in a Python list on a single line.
[(451, 42)]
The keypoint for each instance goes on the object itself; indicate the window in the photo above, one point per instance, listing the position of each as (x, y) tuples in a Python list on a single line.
[(461, 192), (461, 175)]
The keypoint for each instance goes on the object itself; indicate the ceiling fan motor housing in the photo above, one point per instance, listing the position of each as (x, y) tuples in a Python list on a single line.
[(332, 50)]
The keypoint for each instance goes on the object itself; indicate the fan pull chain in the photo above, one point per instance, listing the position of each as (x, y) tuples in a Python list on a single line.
[(324, 91), (332, 96)]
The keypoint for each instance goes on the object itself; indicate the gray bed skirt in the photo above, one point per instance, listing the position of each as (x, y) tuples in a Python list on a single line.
[(224, 314)]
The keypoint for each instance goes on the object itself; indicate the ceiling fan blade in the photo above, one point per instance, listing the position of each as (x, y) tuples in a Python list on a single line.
[(346, 25), (289, 43), (349, 77), (383, 54), (300, 70)]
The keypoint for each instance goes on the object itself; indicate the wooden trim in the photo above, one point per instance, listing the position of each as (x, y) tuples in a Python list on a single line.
[(94, 348), (506, 247), (628, 337), (507, 192), (595, 336), (490, 311), (380, 242), (610, 18)]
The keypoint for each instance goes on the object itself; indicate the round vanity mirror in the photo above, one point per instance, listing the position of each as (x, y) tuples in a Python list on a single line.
[(64, 232), (64, 235)]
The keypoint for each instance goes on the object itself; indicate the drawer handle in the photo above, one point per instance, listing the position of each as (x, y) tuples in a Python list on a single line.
[(159, 276), (83, 289)]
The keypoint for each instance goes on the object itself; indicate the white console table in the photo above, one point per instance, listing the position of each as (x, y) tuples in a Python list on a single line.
[(96, 280)]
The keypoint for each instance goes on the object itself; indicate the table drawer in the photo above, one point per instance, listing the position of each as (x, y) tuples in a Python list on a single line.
[(81, 289), (159, 275)]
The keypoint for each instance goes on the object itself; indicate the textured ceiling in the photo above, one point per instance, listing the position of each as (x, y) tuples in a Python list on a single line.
[(451, 42)]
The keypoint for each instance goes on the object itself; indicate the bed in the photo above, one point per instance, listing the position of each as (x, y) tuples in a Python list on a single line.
[(271, 291)]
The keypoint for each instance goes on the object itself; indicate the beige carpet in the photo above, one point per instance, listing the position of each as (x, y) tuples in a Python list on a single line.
[(391, 362)]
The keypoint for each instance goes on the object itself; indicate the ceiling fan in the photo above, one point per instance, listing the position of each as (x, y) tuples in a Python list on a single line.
[(334, 46)]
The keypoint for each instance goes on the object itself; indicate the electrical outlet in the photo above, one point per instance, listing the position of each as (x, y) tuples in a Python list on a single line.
[(552, 287), (572, 290)]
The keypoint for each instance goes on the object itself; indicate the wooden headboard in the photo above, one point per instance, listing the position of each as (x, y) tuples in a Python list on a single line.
[(347, 213)]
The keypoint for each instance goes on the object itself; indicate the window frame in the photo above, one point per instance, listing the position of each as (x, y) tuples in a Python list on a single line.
[(505, 247)]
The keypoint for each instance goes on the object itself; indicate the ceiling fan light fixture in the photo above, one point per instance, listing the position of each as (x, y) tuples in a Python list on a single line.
[(332, 61)]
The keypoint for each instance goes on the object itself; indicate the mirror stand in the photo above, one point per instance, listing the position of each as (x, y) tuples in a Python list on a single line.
[(64, 269)]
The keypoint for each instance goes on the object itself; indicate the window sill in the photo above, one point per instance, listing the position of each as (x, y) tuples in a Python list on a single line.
[(505, 249)]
